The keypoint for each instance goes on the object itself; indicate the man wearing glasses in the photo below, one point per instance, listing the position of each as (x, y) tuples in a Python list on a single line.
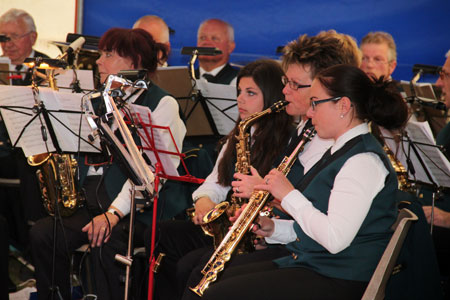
[(18, 26), (379, 54)]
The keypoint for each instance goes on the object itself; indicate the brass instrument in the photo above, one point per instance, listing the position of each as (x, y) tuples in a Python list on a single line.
[(404, 184), (57, 172), (216, 221), (223, 252), (57, 182)]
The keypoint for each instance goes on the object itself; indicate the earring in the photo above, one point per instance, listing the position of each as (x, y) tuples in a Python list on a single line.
[(342, 116)]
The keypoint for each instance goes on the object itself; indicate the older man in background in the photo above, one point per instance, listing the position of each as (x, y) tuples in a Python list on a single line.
[(379, 54), (216, 69), (19, 27)]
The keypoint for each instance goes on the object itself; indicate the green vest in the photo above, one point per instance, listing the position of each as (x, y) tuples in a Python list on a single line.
[(359, 260)]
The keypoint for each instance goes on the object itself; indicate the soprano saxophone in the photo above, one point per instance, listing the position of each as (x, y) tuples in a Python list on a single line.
[(242, 225), (216, 221)]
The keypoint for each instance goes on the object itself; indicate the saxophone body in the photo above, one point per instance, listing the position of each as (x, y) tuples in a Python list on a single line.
[(57, 181), (242, 226), (404, 184), (216, 221)]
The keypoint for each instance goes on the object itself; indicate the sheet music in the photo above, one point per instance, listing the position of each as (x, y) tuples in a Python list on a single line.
[(162, 140), (64, 78), (68, 101), (32, 141), (435, 161), (224, 112)]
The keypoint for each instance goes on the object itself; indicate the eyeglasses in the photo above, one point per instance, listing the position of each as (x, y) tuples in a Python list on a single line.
[(315, 102), (15, 37), (376, 60), (443, 74), (292, 84)]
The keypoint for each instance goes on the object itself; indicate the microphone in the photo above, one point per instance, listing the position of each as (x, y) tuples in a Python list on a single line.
[(426, 69), (4, 38), (75, 45), (211, 51)]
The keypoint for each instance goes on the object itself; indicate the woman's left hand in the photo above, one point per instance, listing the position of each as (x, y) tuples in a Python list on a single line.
[(276, 183), (244, 185)]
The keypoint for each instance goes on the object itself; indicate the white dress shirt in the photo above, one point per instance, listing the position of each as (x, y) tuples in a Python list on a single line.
[(214, 72)]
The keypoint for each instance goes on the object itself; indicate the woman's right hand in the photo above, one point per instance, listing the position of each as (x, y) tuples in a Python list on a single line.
[(202, 206)]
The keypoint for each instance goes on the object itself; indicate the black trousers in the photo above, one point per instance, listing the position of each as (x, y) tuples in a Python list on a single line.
[(264, 280), (108, 274), (4, 250), (193, 263), (175, 238)]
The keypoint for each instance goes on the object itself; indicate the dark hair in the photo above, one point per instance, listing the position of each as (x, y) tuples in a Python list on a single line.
[(273, 130), (378, 101), (135, 44), (328, 48)]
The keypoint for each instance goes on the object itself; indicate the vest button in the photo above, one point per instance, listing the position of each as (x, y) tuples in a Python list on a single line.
[(294, 256)]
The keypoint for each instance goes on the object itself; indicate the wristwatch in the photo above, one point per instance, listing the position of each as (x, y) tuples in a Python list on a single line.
[(114, 212)]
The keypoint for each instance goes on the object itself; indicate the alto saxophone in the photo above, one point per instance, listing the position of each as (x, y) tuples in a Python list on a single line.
[(242, 225), (215, 222)]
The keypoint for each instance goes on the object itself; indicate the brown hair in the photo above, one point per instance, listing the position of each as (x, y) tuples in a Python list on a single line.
[(135, 44)]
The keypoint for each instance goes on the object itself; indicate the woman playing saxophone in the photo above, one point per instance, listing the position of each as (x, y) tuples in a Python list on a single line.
[(343, 207), (259, 86)]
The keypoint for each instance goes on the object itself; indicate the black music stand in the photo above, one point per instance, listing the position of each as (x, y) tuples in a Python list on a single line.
[(424, 161), (37, 110)]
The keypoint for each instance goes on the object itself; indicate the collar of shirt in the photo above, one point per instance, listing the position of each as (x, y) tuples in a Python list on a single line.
[(355, 131), (24, 67), (213, 72)]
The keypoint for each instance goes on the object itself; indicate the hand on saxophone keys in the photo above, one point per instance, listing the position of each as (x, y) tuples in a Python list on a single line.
[(276, 183), (243, 185)]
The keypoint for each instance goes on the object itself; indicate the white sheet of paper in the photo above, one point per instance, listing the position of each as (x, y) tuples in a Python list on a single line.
[(32, 141), (162, 139), (68, 139), (65, 78), (221, 101)]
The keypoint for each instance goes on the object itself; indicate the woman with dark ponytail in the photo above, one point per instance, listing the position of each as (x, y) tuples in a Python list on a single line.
[(342, 209)]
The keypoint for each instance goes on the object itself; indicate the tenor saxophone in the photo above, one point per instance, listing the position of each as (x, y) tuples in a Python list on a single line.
[(215, 222), (242, 225), (57, 181)]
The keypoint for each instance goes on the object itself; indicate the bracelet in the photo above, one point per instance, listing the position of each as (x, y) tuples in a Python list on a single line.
[(114, 212)]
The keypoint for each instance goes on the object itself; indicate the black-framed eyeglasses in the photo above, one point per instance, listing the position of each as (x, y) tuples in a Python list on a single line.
[(443, 74), (315, 102), (15, 37), (293, 85)]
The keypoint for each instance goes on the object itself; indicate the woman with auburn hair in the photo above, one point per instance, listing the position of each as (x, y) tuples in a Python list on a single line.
[(102, 221)]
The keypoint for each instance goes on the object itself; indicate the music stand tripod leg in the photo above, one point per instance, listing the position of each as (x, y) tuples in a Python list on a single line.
[(128, 259)]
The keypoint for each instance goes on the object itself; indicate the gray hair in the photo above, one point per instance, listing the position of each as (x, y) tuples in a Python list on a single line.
[(15, 14), (381, 37), (230, 29)]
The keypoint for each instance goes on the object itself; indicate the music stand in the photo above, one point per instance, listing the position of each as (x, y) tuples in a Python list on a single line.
[(424, 160), (28, 119), (158, 154)]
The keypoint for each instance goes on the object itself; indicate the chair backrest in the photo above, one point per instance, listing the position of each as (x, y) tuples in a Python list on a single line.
[(377, 284)]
